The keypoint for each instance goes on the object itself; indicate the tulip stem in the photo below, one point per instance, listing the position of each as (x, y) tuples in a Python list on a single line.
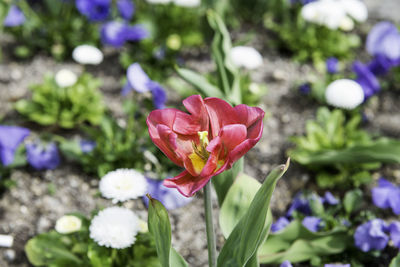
[(212, 250)]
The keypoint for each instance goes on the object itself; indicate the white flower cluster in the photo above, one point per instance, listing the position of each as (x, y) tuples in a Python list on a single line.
[(246, 57), (87, 54), (123, 184), (115, 227), (335, 14), (344, 93), (182, 3)]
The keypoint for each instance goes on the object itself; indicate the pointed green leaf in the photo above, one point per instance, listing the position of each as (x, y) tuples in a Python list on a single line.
[(253, 227), (395, 261), (199, 82), (176, 260), (237, 202)]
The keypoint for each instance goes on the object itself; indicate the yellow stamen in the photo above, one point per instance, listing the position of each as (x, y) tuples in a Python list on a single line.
[(197, 161), (203, 136)]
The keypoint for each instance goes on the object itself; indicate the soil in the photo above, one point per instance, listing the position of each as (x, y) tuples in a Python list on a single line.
[(38, 199)]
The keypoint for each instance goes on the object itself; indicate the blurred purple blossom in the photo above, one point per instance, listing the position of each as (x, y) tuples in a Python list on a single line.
[(330, 199), (337, 265), (280, 224), (87, 146), (371, 235), (126, 8), (384, 40), (380, 65), (301, 204), (10, 138), (286, 264), (332, 65), (394, 229), (305, 88), (94, 10), (386, 195), (169, 197), (140, 82), (15, 17), (116, 33), (366, 79), (312, 223), (42, 156)]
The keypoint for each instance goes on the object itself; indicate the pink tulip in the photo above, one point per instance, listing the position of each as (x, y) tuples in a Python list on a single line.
[(207, 141)]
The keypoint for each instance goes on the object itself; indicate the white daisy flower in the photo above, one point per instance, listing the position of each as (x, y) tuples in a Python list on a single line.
[(344, 93), (123, 184), (114, 227), (6, 241), (163, 2), (246, 57), (87, 54), (187, 3), (65, 78), (355, 9), (68, 224)]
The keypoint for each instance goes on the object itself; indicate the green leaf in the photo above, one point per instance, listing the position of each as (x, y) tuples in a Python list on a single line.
[(237, 202), (296, 243), (224, 181), (199, 82), (160, 228), (352, 200), (395, 261), (252, 229)]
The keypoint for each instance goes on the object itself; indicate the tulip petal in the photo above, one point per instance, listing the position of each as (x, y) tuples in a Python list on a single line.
[(232, 135), (251, 117), (186, 184), (197, 120), (221, 113), (186, 124)]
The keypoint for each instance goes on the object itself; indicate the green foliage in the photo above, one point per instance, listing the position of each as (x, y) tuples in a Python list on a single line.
[(229, 82), (305, 40), (332, 133), (296, 243), (78, 249), (242, 245), (160, 228), (120, 146), (64, 107), (44, 30)]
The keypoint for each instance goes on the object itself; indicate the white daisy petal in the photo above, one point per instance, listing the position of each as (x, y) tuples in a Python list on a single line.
[(65, 78), (246, 57), (344, 93), (187, 3), (68, 224), (87, 54), (122, 185), (115, 227)]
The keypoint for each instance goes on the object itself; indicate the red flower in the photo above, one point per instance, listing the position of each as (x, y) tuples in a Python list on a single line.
[(205, 142)]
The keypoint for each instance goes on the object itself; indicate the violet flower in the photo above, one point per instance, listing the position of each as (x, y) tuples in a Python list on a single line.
[(10, 138), (371, 235), (330, 199), (126, 8), (384, 40), (41, 156), (286, 264), (280, 224), (305, 88), (15, 17), (366, 79), (332, 65), (141, 83), (169, 197), (312, 223), (300, 203), (87, 146), (394, 230), (94, 10), (116, 33), (380, 65), (386, 195)]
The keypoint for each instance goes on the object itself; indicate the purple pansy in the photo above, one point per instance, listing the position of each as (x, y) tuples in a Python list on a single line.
[(116, 33), (386, 195), (87, 146), (280, 224), (394, 230), (366, 79), (312, 223), (305, 88), (332, 65), (42, 156), (371, 235), (15, 17), (384, 39), (140, 82), (10, 138), (169, 197), (301, 204), (380, 65), (126, 8), (330, 199), (94, 10), (286, 264)]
